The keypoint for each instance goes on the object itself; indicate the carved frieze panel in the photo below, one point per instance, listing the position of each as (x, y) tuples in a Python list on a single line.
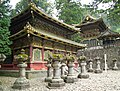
[(48, 43), (37, 41), (37, 55), (44, 26)]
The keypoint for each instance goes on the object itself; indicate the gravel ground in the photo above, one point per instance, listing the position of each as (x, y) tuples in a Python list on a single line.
[(106, 81)]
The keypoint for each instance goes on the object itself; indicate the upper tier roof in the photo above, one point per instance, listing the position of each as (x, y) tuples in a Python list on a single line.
[(89, 20), (32, 10)]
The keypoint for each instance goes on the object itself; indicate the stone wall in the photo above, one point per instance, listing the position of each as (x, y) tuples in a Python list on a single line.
[(29, 74), (111, 52)]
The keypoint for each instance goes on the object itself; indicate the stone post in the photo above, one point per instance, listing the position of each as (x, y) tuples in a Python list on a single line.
[(71, 78), (98, 69), (83, 73), (82, 63), (21, 82), (56, 80), (49, 73), (63, 75), (115, 64), (90, 66)]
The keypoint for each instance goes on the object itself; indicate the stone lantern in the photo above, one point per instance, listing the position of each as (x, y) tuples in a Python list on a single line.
[(82, 63), (49, 72), (63, 69), (56, 81), (90, 65), (98, 69), (115, 64), (21, 82), (71, 78)]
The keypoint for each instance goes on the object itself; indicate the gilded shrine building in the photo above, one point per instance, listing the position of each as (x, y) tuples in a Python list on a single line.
[(37, 32), (100, 40), (91, 29)]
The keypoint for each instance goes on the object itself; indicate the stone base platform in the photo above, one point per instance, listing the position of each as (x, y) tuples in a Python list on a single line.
[(98, 71), (21, 83), (64, 77), (90, 70), (85, 76), (70, 79), (48, 79), (115, 68), (56, 83)]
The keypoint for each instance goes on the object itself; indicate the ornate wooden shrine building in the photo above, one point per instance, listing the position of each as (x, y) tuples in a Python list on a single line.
[(100, 40), (91, 29), (37, 32)]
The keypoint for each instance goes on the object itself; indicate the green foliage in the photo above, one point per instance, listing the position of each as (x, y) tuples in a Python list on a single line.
[(117, 30), (114, 14), (43, 4), (69, 11), (110, 15), (4, 27)]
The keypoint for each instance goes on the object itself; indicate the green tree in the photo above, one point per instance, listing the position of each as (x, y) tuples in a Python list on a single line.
[(43, 4), (69, 11), (4, 27), (113, 14)]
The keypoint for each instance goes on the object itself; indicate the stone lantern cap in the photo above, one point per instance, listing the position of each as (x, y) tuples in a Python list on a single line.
[(81, 58), (56, 57), (115, 59), (97, 58), (22, 57), (70, 57), (90, 60)]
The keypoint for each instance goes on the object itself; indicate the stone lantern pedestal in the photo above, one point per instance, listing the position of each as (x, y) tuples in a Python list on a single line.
[(63, 75), (90, 66), (115, 64), (21, 82), (83, 73), (71, 78), (56, 81), (98, 69), (49, 73)]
